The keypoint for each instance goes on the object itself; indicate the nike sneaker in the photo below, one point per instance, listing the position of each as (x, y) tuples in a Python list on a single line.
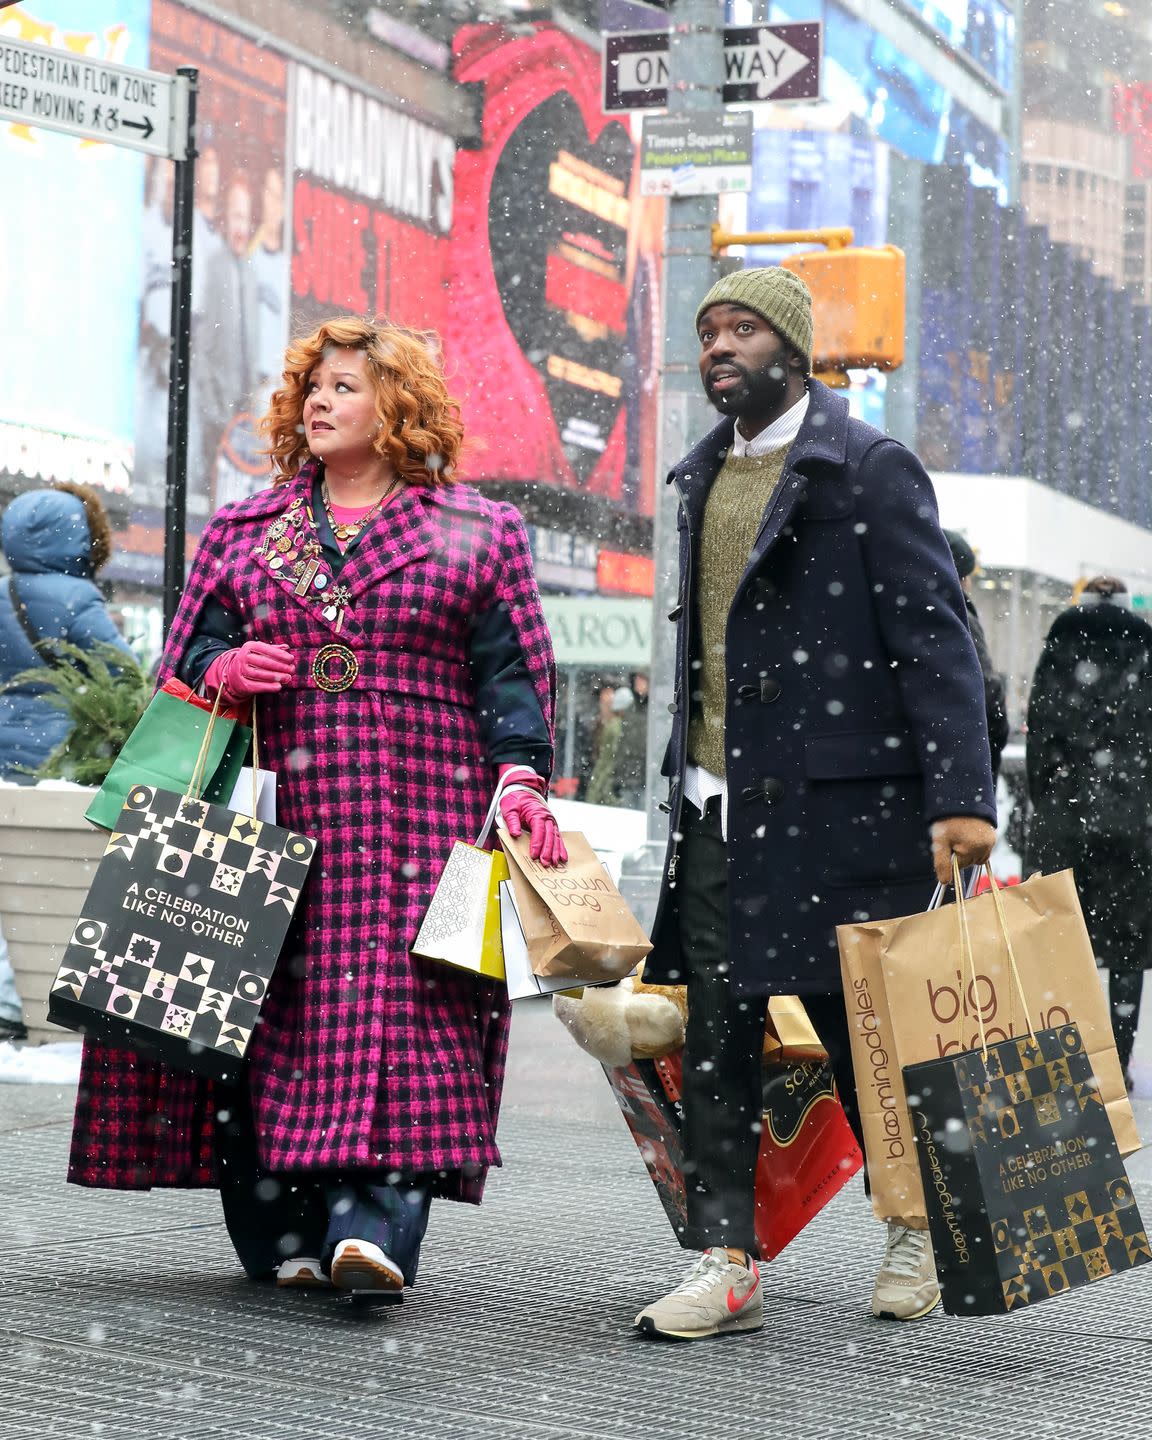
[(716, 1297), (906, 1286)]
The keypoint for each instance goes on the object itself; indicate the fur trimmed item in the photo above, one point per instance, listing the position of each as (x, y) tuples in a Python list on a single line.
[(616, 1024)]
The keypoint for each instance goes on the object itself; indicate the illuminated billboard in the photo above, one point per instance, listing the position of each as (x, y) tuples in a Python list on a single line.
[(70, 267), (552, 326), (239, 262), (872, 79), (984, 30)]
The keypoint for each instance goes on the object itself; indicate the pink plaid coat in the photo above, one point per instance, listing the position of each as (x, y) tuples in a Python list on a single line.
[(367, 1056)]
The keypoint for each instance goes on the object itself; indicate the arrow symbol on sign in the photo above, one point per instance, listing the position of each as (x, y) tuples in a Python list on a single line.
[(145, 125), (768, 65)]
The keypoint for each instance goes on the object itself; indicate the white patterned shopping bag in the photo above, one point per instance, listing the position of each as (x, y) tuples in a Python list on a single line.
[(462, 924)]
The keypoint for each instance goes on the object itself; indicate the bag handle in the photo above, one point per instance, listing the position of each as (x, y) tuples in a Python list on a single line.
[(967, 954), (502, 787), (199, 778), (255, 759), (1003, 919), (942, 890)]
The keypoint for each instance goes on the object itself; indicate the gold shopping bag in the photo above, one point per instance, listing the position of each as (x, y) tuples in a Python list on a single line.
[(790, 1037), (461, 926)]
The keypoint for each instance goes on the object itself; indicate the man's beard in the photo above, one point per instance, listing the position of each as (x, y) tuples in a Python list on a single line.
[(759, 390)]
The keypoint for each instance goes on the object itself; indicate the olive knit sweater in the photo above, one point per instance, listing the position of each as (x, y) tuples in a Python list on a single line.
[(733, 515)]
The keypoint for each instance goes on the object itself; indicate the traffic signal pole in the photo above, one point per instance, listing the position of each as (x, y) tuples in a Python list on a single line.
[(696, 79)]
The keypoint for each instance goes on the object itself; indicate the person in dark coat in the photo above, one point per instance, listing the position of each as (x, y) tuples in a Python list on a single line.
[(995, 699), (1089, 763), (385, 617), (829, 749), (55, 541)]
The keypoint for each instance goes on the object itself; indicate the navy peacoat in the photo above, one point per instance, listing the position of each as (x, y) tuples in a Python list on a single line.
[(855, 704)]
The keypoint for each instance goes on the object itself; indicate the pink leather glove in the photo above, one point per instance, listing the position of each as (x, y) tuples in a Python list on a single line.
[(525, 810), (254, 668)]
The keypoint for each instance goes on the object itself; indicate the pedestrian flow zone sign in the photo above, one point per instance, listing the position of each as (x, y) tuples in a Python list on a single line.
[(142, 109), (761, 62)]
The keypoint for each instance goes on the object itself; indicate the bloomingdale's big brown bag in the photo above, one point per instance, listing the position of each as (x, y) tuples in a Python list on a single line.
[(907, 1004)]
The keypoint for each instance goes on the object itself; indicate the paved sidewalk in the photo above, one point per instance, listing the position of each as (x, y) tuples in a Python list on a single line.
[(125, 1316)]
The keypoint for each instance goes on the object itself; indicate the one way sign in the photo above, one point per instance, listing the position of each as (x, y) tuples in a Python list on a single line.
[(761, 62)]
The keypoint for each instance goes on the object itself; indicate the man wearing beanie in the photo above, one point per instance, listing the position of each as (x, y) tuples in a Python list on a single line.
[(829, 750)]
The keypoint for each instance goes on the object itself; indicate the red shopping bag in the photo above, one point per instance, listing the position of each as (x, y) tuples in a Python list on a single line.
[(807, 1150)]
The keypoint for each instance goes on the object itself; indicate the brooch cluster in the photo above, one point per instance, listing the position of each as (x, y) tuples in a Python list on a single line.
[(300, 554)]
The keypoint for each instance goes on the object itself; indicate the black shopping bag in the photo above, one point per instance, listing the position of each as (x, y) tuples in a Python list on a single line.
[(1027, 1195), (178, 939)]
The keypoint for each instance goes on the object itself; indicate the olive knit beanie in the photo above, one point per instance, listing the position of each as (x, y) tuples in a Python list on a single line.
[(776, 295)]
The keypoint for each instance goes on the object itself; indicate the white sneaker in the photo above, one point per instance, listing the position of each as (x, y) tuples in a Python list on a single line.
[(715, 1298), (303, 1273), (906, 1285), (362, 1267)]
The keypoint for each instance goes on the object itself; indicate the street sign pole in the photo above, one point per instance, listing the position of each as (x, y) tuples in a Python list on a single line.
[(696, 79), (179, 360)]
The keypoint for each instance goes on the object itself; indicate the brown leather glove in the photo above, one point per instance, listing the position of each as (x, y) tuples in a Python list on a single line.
[(969, 839)]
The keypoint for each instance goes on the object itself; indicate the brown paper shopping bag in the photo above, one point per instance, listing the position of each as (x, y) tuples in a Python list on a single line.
[(575, 921), (908, 1003), (893, 1168)]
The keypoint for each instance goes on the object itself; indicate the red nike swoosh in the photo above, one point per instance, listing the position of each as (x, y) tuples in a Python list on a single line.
[(734, 1305)]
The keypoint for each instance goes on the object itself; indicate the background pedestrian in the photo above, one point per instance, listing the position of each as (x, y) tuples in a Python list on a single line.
[(55, 541), (632, 757), (604, 786), (1089, 764), (995, 702)]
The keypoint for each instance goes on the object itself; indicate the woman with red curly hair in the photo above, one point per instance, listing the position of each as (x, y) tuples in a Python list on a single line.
[(387, 617)]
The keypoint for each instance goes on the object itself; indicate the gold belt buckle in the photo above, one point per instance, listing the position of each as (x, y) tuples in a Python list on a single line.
[(348, 667)]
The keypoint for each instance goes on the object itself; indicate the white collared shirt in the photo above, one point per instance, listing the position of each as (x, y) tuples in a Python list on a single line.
[(781, 432), (701, 785)]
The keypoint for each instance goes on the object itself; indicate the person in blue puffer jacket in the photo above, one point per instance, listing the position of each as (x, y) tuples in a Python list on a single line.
[(55, 541)]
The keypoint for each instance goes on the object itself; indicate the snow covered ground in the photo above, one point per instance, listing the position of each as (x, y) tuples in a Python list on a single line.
[(55, 1064)]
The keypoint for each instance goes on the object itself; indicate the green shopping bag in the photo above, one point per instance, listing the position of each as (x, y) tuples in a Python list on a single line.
[(162, 752)]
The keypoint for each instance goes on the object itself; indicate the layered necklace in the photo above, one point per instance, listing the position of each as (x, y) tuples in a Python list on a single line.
[(345, 532)]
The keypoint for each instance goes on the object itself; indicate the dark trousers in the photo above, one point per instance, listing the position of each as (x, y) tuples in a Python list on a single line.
[(1125, 990), (271, 1218), (722, 1082)]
